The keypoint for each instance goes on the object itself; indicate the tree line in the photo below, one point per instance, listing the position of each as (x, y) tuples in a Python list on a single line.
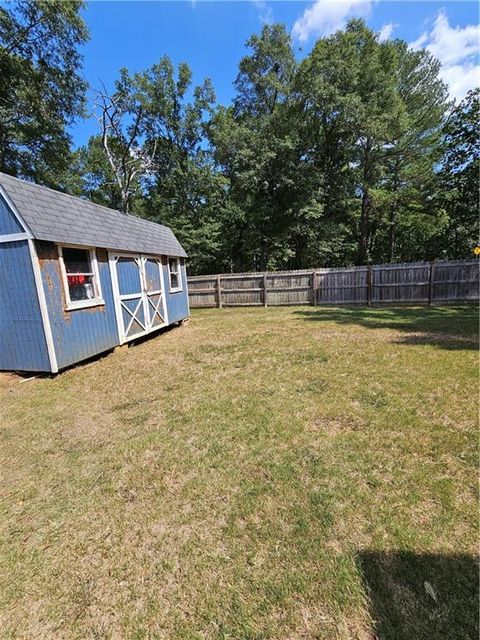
[(351, 154)]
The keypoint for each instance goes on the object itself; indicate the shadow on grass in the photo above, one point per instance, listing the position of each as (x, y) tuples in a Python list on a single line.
[(446, 327), (420, 597), (92, 359)]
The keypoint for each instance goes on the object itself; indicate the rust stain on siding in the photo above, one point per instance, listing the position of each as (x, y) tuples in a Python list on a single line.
[(48, 258), (50, 267)]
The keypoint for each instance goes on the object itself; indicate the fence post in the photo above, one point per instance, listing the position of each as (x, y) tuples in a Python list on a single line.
[(314, 288), (431, 282), (265, 292), (369, 285), (219, 292)]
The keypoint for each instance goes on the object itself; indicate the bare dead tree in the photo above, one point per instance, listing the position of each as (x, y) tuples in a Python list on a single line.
[(120, 127)]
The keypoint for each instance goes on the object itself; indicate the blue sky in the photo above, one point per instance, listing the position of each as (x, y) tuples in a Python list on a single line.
[(211, 36)]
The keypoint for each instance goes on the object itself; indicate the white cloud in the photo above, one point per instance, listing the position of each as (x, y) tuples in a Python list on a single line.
[(324, 17), (457, 49), (386, 31), (460, 79), (264, 12), (419, 42)]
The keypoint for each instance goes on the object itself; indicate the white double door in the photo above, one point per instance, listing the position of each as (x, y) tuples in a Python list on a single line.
[(139, 294)]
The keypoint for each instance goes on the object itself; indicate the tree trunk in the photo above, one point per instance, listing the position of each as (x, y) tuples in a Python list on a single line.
[(363, 246), (300, 247), (392, 236), (364, 231), (392, 231), (263, 258), (125, 202)]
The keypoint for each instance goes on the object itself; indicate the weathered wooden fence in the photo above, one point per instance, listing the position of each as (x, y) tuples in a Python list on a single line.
[(422, 282)]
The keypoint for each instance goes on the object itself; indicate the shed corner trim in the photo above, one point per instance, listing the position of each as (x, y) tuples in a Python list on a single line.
[(43, 307)]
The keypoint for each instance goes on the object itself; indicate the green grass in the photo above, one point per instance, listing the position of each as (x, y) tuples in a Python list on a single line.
[(255, 474)]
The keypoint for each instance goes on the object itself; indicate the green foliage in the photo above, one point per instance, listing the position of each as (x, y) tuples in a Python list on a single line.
[(331, 161), (351, 155), (411, 219), (40, 85), (181, 190), (265, 75), (96, 179), (151, 159), (460, 177), (254, 148), (372, 113)]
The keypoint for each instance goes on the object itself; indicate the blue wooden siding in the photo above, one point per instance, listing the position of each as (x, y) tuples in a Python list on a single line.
[(177, 303), (80, 333), (77, 334), (22, 339), (8, 222), (128, 275)]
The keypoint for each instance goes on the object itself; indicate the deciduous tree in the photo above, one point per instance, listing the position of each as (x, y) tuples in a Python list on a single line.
[(41, 89)]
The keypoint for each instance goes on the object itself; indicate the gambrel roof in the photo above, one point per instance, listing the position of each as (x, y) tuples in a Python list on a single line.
[(58, 217)]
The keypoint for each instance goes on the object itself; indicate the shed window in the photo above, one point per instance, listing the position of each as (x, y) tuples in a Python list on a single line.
[(80, 272), (175, 277)]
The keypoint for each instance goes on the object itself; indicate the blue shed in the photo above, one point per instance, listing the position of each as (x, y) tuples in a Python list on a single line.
[(77, 278)]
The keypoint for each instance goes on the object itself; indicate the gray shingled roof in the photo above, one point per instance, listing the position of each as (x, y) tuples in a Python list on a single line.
[(58, 217)]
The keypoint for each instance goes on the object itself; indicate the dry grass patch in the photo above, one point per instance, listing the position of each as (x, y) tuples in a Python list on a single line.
[(255, 474)]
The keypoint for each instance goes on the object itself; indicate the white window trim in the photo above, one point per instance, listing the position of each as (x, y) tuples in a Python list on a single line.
[(179, 273), (72, 305)]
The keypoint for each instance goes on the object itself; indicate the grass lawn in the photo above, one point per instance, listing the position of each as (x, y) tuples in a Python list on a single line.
[(287, 473)]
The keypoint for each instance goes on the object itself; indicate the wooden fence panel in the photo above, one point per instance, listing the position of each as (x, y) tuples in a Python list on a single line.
[(401, 283), (289, 288), (342, 286), (242, 290), (436, 283), (455, 281), (202, 292)]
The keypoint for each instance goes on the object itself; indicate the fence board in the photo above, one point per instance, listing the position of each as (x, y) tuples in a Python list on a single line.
[(438, 283)]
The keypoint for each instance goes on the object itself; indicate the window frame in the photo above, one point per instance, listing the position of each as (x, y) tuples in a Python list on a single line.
[(178, 273), (98, 300)]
